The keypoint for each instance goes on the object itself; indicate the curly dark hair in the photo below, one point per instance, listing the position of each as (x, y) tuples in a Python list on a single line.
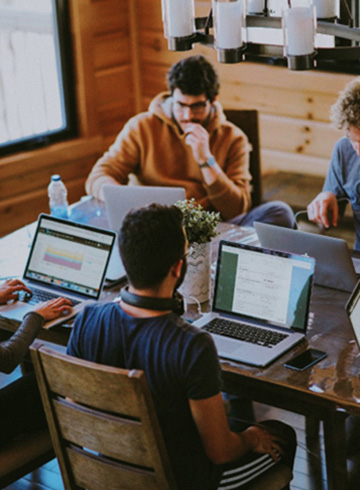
[(151, 240), (194, 76), (345, 113)]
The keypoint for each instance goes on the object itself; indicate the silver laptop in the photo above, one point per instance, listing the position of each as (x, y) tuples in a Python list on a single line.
[(66, 259), (120, 199), (353, 310), (334, 267), (260, 304)]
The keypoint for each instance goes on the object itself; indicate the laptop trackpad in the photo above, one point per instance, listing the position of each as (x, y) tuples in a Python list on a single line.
[(226, 346), (16, 311)]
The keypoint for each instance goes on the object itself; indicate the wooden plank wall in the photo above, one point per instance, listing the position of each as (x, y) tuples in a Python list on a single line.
[(121, 59), (103, 60), (294, 107)]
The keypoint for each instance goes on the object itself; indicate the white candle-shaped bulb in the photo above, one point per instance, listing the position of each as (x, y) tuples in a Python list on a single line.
[(228, 24), (326, 9), (180, 17), (299, 31), (165, 18), (256, 6)]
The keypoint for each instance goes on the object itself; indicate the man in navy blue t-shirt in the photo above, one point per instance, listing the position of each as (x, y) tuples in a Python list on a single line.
[(142, 331), (343, 178)]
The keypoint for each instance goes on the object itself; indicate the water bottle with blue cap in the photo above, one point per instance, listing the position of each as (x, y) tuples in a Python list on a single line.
[(57, 193)]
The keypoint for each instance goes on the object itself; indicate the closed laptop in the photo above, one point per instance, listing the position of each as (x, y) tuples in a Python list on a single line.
[(334, 266), (120, 199)]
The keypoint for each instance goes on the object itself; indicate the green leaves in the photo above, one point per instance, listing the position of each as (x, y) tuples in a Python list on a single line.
[(200, 225)]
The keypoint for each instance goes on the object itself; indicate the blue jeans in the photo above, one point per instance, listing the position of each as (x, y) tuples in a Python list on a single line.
[(274, 212)]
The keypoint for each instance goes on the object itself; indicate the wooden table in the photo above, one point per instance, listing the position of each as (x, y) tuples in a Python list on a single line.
[(329, 390)]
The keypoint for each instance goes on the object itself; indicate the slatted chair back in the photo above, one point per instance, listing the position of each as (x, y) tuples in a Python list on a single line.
[(102, 422)]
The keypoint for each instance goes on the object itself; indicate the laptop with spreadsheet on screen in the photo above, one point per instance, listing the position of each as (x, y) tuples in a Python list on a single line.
[(66, 259), (260, 302)]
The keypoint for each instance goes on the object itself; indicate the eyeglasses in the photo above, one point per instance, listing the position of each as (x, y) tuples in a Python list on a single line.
[(196, 108)]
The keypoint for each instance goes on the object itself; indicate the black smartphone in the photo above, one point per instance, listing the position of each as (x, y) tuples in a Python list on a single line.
[(305, 359)]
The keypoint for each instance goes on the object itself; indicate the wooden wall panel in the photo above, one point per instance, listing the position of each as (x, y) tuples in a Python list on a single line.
[(298, 163), (295, 130), (302, 137), (112, 118), (105, 99), (277, 101), (109, 16), (120, 61), (111, 50), (24, 180), (113, 85), (16, 211)]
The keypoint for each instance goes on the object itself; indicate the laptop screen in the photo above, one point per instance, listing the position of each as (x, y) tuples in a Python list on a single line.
[(263, 285), (69, 256), (353, 310)]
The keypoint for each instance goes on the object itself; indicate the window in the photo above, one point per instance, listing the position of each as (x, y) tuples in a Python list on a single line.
[(36, 103)]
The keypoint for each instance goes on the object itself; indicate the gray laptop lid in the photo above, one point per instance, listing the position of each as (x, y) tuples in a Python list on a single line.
[(120, 199), (334, 267), (260, 287)]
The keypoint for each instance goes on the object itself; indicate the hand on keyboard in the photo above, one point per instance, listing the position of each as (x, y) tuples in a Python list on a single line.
[(54, 308), (11, 290)]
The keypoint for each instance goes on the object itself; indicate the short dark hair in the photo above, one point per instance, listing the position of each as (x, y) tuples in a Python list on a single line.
[(151, 240), (194, 76)]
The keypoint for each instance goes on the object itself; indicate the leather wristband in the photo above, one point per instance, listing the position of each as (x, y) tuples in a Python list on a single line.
[(210, 162)]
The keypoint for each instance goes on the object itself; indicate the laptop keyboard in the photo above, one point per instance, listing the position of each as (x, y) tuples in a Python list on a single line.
[(39, 295), (245, 332)]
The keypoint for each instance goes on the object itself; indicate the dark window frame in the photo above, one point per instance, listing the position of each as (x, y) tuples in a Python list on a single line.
[(62, 24)]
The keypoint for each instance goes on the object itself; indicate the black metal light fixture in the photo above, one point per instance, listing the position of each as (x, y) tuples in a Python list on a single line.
[(228, 23)]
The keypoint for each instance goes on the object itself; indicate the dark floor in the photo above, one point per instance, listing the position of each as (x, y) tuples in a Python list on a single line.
[(309, 469)]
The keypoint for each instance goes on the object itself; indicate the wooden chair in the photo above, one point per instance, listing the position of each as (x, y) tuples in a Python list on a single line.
[(247, 120), (104, 427), (102, 422)]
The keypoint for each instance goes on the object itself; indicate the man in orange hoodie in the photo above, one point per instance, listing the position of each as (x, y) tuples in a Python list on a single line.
[(184, 140)]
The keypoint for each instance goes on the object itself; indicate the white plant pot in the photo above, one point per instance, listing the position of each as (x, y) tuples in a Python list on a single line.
[(196, 285)]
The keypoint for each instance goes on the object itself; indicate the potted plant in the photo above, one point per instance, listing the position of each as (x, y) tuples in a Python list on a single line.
[(200, 227)]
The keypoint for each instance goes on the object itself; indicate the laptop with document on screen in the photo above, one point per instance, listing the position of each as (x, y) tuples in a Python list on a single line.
[(120, 199), (260, 303), (334, 266), (66, 259)]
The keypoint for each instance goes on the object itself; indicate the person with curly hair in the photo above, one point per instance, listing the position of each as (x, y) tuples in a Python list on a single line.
[(343, 177)]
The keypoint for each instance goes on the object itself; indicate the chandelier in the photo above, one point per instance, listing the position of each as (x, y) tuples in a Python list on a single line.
[(228, 23)]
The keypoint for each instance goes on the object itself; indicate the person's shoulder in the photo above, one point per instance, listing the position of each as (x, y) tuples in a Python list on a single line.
[(193, 334), (94, 311), (138, 120), (343, 152), (343, 144), (221, 123)]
